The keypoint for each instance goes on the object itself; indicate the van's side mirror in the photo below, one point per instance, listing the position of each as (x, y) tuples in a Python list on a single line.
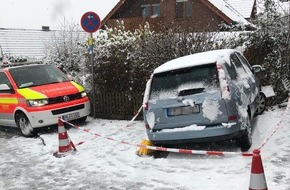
[(257, 68)]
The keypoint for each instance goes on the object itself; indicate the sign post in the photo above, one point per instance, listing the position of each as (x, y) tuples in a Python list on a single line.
[(91, 22)]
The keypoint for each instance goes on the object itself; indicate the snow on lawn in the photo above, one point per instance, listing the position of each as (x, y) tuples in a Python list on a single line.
[(99, 163)]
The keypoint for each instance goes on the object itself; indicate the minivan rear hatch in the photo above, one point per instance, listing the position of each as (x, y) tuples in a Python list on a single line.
[(187, 96)]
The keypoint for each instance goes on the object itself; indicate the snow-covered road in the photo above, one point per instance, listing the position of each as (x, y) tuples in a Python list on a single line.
[(99, 163)]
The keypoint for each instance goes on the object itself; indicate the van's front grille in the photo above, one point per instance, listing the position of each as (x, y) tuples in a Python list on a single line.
[(69, 109), (66, 98)]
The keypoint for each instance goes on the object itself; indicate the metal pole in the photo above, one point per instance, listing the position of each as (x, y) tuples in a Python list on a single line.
[(93, 73)]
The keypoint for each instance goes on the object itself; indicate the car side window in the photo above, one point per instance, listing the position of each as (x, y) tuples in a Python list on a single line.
[(245, 63), (231, 70), (4, 80), (239, 67)]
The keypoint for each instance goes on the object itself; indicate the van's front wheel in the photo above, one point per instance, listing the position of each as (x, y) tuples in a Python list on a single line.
[(24, 125), (245, 141)]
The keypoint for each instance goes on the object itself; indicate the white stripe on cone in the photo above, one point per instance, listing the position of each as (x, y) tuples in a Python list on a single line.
[(61, 129), (64, 142), (258, 182)]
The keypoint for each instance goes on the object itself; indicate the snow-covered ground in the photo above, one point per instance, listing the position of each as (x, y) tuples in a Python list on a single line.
[(100, 163)]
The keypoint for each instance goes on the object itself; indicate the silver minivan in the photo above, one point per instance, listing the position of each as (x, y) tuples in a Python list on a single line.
[(202, 97)]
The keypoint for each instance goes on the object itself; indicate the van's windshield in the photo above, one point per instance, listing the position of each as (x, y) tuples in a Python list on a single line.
[(36, 75), (184, 82)]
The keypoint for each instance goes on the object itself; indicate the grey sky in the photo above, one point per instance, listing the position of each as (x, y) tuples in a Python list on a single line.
[(32, 14)]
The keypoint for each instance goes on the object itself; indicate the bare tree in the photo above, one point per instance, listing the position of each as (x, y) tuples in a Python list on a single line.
[(67, 49)]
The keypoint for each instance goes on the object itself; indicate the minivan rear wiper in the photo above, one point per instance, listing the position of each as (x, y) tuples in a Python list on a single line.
[(190, 91)]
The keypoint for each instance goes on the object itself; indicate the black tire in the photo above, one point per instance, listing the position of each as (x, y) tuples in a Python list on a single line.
[(262, 104), (24, 125), (160, 154), (245, 141)]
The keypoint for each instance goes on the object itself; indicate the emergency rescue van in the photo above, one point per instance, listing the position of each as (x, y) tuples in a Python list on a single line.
[(36, 95)]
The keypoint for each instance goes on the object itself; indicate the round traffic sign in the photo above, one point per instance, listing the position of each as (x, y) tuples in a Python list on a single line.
[(90, 22)]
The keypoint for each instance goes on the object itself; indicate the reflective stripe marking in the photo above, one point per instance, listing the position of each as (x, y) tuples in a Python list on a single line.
[(64, 142), (8, 101), (79, 87), (258, 181), (61, 129), (31, 94)]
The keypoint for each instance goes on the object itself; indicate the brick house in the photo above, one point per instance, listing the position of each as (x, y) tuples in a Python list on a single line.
[(192, 15)]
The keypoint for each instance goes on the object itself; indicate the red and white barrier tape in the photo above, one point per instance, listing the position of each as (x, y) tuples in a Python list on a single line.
[(135, 116), (277, 127), (183, 151)]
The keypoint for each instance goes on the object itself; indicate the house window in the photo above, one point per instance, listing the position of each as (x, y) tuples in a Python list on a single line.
[(146, 12), (156, 9), (150, 10), (183, 8)]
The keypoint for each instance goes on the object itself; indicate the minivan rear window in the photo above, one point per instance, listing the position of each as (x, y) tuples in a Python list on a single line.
[(183, 82)]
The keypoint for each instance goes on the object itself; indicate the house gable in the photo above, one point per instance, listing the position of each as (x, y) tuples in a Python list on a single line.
[(205, 16)]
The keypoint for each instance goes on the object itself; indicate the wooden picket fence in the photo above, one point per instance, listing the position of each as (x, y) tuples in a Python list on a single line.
[(118, 105)]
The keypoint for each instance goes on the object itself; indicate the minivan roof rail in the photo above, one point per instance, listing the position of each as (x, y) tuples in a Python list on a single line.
[(19, 64)]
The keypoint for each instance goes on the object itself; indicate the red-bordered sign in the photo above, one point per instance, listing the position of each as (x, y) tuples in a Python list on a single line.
[(90, 22)]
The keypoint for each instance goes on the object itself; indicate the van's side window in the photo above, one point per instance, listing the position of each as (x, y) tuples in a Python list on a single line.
[(4, 80)]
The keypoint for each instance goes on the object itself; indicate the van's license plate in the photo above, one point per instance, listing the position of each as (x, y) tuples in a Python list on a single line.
[(71, 116), (184, 110)]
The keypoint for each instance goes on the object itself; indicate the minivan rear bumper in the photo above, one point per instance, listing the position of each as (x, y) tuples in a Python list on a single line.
[(212, 133)]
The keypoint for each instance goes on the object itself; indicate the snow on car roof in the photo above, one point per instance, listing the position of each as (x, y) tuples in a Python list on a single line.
[(202, 58)]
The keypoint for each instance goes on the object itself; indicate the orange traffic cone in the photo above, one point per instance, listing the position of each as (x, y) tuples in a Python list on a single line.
[(65, 144), (257, 180)]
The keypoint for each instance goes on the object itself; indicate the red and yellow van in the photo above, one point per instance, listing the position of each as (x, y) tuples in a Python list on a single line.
[(36, 95)]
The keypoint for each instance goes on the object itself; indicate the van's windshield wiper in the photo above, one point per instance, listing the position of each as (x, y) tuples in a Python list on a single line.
[(54, 82), (190, 91), (40, 84)]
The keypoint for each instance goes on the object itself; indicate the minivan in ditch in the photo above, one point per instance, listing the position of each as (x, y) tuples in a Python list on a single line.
[(208, 96)]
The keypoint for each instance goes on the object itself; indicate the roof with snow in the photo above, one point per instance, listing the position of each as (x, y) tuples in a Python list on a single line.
[(228, 7), (244, 7), (196, 59), (28, 43)]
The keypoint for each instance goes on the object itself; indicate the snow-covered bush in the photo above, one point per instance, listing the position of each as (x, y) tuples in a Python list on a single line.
[(125, 60), (269, 46)]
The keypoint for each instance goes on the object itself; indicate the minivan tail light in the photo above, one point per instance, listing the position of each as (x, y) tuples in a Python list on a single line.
[(145, 105), (224, 86), (232, 117)]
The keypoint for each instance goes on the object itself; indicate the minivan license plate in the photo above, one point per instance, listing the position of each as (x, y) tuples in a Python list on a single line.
[(184, 110), (71, 116)]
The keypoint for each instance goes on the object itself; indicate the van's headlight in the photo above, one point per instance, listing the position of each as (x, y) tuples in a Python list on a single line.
[(36, 103), (84, 94)]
